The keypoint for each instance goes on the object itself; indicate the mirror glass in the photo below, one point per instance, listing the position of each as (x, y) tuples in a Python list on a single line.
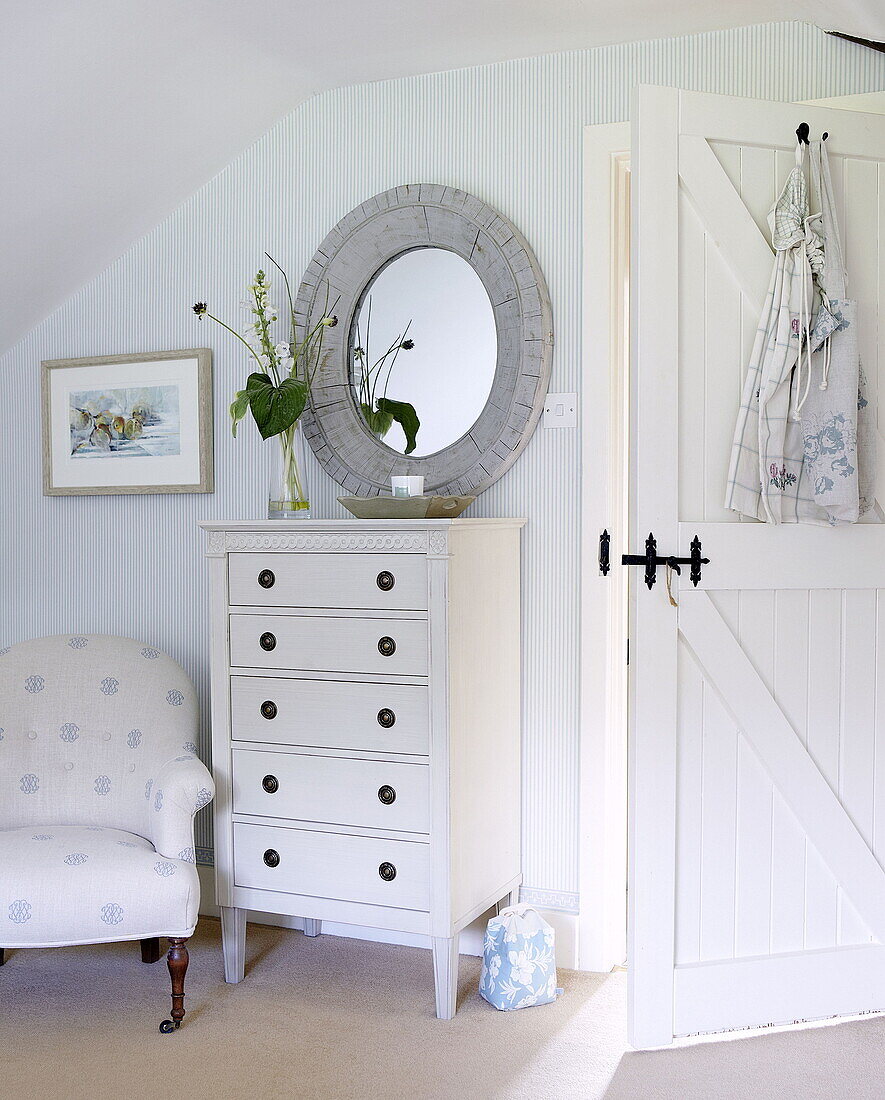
[(423, 351)]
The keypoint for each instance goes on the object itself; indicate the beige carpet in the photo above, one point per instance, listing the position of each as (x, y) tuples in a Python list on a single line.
[(328, 1018)]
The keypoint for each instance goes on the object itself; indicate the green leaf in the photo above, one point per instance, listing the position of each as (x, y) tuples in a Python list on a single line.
[(275, 408), (404, 414), (238, 409), (379, 423)]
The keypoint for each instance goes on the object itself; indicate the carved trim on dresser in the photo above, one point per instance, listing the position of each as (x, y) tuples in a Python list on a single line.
[(253, 540), (215, 546), (439, 542)]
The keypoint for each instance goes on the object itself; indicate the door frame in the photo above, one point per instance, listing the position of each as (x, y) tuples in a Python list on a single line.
[(602, 920)]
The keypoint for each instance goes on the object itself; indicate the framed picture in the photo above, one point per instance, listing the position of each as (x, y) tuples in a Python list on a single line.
[(128, 424)]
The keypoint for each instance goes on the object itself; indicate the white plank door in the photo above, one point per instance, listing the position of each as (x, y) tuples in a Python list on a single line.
[(757, 752)]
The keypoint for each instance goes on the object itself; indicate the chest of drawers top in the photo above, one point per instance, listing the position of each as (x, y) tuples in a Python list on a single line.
[(341, 535)]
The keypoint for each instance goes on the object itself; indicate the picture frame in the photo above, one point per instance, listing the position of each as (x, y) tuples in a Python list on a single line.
[(118, 424)]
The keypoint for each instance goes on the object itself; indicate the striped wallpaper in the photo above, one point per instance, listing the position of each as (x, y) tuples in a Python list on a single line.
[(510, 133)]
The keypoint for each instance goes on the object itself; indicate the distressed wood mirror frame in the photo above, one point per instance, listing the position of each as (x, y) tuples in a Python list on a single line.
[(362, 244)]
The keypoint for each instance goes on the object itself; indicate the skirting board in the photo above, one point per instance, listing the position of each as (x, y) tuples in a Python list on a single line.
[(564, 924)]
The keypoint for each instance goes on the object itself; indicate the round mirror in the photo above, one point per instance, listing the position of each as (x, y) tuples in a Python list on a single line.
[(423, 351), (439, 365)]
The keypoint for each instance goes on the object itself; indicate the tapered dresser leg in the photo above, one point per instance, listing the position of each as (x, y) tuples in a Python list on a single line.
[(233, 942), (2, 956), (312, 927), (445, 975)]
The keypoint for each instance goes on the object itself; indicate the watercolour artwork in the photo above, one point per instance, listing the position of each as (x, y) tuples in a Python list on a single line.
[(128, 424), (141, 422)]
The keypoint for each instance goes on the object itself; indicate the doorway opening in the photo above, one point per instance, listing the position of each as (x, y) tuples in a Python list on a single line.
[(605, 439)]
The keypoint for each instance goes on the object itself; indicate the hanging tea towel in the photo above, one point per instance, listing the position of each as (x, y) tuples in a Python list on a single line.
[(518, 960), (838, 422), (767, 453), (805, 442)]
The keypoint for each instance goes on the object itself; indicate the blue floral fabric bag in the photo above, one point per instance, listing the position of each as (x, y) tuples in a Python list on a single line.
[(518, 961)]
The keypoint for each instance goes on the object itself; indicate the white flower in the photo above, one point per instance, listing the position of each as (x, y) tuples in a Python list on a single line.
[(521, 967), (283, 351), (548, 936), (494, 966), (526, 1002)]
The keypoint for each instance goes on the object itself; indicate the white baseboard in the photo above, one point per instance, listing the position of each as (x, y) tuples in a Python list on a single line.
[(564, 924)]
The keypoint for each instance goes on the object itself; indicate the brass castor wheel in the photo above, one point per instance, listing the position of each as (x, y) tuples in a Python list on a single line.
[(167, 1026)]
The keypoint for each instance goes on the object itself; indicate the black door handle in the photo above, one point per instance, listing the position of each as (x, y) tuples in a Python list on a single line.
[(604, 544), (651, 560)]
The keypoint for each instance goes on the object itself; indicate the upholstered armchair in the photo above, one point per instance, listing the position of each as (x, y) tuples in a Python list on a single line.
[(99, 784)]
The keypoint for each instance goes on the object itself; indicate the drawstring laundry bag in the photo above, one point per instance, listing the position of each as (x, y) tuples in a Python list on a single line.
[(518, 960)]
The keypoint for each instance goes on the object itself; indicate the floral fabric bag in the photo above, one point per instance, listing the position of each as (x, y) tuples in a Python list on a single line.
[(518, 961)]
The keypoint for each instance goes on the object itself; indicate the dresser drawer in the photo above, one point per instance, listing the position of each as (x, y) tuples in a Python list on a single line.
[(327, 644), (371, 581), (332, 789), (330, 714), (333, 865)]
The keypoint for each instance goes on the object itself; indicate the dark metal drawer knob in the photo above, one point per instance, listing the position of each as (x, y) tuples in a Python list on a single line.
[(271, 784), (268, 709), (385, 580), (387, 871), (267, 578), (386, 647), (386, 717), (267, 641), (387, 795), (272, 857)]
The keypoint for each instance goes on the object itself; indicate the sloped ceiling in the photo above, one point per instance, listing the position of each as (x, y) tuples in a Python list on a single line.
[(115, 111)]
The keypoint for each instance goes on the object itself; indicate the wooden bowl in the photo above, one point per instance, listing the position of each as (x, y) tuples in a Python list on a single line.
[(387, 507)]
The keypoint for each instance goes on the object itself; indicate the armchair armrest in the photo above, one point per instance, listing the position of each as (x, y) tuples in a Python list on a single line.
[(181, 787)]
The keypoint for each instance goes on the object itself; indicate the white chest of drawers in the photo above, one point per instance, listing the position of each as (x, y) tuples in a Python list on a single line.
[(366, 726)]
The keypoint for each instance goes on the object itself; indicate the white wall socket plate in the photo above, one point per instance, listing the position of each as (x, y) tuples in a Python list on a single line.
[(561, 410)]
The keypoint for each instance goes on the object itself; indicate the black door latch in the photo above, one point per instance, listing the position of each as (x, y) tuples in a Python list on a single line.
[(604, 543), (651, 561)]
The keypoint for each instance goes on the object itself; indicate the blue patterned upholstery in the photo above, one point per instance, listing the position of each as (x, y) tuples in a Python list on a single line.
[(99, 784)]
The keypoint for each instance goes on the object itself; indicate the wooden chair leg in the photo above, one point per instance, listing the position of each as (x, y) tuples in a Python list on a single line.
[(2, 956), (150, 950), (177, 961)]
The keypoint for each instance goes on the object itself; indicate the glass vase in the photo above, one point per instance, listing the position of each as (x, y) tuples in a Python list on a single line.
[(287, 496)]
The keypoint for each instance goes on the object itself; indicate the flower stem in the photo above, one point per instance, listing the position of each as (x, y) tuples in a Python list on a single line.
[(292, 489), (245, 344), (292, 339)]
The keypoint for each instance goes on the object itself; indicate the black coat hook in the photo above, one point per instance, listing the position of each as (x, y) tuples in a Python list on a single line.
[(802, 134)]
